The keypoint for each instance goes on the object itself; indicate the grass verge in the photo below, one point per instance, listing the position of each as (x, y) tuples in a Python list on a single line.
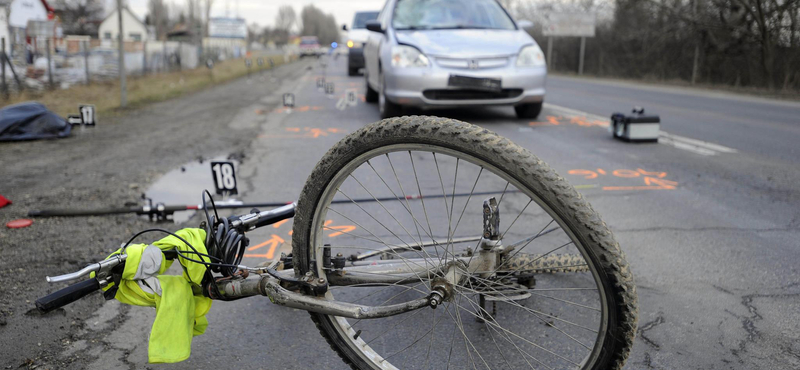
[(142, 90)]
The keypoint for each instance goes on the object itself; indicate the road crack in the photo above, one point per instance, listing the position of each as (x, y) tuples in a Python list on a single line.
[(649, 326), (749, 322)]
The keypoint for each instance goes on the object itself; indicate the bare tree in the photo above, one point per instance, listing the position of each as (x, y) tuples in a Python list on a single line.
[(286, 18), (80, 17), (317, 23), (159, 15), (734, 42), (207, 15)]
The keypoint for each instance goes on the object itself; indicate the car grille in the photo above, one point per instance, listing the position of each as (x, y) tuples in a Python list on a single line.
[(469, 94), (479, 63)]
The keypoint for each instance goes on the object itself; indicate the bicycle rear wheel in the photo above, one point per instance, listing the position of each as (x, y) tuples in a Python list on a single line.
[(563, 297)]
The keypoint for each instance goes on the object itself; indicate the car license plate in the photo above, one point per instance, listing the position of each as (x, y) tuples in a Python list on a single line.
[(489, 84)]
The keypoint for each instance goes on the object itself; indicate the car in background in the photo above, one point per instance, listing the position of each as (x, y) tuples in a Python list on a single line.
[(452, 53), (309, 46), (356, 38)]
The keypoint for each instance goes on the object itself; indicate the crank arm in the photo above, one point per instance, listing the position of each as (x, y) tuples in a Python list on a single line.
[(269, 286)]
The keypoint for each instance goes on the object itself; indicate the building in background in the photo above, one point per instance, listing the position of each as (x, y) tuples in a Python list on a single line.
[(14, 18), (227, 37), (133, 28)]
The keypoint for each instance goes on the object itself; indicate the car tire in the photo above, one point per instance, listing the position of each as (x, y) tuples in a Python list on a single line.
[(371, 96), (387, 108), (352, 71), (531, 110)]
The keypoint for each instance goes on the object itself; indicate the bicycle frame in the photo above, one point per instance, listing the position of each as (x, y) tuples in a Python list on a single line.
[(308, 292), (483, 262)]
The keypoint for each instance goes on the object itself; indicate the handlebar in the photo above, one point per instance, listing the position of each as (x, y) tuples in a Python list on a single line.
[(103, 268), (255, 220)]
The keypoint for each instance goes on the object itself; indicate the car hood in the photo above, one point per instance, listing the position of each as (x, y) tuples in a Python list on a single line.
[(465, 43), (358, 35)]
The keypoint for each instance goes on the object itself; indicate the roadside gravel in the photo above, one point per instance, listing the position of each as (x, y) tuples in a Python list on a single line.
[(108, 165)]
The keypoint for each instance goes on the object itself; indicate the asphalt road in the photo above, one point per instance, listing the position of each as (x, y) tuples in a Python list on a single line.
[(712, 243)]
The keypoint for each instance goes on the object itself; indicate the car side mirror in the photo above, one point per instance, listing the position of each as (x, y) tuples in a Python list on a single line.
[(344, 27), (375, 26), (525, 24)]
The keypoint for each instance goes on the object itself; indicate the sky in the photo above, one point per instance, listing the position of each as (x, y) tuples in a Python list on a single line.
[(262, 12)]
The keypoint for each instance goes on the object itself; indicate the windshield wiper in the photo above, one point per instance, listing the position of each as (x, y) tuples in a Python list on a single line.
[(462, 27), (409, 28)]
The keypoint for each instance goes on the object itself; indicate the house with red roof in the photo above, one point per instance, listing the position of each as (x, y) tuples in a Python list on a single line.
[(14, 18)]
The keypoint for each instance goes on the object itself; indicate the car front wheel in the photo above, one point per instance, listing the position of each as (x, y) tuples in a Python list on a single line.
[(531, 110), (387, 108), (371, 96)]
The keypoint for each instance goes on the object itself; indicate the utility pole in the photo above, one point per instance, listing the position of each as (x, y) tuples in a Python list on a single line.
[(85, 45), (696, 64), (3, 66), (123, 94), (582, 52), (50, 84)]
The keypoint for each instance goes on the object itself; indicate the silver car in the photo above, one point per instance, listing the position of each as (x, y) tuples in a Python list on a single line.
[(450, 53)]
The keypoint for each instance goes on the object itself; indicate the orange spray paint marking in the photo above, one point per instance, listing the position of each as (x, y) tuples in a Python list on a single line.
[(660, 175), (279, 223), (553, 120), (343, 229), (626, 173), (580, 121), (315, 133), (666, 184), (652, 184), (273, 244), (653, 180), (585, 173)]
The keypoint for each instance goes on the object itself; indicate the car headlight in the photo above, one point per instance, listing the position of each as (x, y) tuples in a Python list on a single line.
[(406, 56), (350, 43), (531, 56)]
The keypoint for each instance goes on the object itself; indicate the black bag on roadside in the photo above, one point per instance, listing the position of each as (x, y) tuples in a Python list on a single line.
[(31, 121)]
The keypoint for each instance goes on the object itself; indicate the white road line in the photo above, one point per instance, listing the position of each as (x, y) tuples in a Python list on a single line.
[(677, 141), (685, 146), (576, 112), (700, 143)]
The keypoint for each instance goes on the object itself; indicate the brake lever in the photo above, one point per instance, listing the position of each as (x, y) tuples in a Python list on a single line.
[(101, 269)]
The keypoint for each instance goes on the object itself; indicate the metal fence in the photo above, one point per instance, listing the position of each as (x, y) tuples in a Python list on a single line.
[(67, 65)]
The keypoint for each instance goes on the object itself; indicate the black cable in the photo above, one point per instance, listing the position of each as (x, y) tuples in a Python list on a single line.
[(225, 247), (223, 242)]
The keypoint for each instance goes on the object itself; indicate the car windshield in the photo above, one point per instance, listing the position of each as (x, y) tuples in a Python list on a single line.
[(450, 14), (309, 41), (361, 19)]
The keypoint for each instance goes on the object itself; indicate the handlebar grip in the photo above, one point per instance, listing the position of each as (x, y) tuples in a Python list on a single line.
[(67, 295)]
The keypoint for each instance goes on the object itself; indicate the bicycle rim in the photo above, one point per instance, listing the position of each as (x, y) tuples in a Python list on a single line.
[(544, 329)]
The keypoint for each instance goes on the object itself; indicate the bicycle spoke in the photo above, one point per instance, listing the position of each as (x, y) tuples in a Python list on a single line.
[(397, 263), (484, 312), (524, 339)]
